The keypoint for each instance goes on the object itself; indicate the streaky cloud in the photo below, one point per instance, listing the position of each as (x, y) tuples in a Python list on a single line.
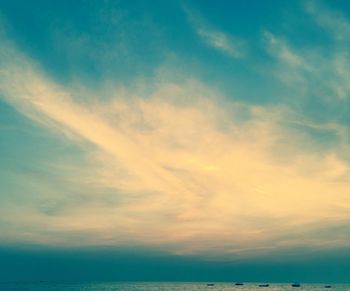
[(332, 20), (194, 176), (233, 47)]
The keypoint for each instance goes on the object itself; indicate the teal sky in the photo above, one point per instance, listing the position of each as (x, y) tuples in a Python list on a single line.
[(180, 133)]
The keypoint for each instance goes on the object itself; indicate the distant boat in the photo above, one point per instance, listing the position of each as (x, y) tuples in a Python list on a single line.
[(264, 285), (239, 284), (328, 286), (295, 285), (210, 284)]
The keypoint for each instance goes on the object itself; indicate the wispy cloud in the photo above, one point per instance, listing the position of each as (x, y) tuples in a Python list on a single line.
[(332, 20), (224, 42), (282, 51), (181, 167), (221, 41), (338, 27), (190, 175), (311, 71)]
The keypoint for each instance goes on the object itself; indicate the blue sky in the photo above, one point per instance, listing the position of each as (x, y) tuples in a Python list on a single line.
[(214, 130)]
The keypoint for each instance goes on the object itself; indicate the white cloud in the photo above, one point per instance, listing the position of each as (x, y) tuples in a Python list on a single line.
[(311, 71), (282, 51), (190, 173), (332, 20), (226, 43), (221, 41)]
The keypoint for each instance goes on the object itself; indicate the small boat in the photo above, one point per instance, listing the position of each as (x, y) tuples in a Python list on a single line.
[(328, 286), (210, 285), (239, 284), (295, 285), (264, 285)]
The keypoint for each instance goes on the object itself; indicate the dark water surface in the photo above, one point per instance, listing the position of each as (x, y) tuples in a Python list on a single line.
[(155, 286)]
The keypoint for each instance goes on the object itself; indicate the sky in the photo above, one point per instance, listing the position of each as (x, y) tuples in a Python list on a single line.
[(211, 137)]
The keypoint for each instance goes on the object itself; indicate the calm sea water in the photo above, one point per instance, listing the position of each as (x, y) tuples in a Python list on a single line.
[(160, 286)]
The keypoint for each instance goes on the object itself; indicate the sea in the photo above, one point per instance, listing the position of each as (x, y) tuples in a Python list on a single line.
[(156, 286)]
